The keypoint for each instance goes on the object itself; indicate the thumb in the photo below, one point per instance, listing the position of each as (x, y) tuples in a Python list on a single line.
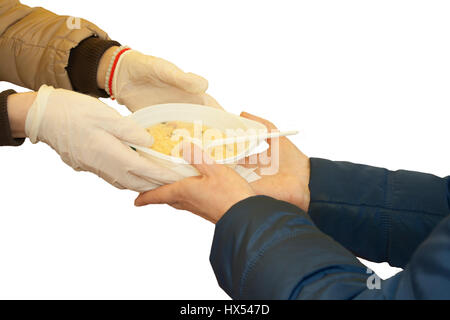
[(197, 158), (192, 83), (174, 76), (211, 102), (162, 195), (268, 124), (129, 131)]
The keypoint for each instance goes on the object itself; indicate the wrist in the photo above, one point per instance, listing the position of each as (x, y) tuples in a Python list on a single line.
[(104, 65), (296, 184), (18, 106), (84, 62), (307, 192)]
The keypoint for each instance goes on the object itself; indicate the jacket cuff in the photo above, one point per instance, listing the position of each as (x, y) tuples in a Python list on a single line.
[(6, 138), (83, 65)]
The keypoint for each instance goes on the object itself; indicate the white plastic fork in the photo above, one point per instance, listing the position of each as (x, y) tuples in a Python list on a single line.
[(258, 137)]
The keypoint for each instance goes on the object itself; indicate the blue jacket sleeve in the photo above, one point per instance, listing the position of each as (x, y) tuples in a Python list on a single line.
[(379, 215), (267, 249), (427, 276)]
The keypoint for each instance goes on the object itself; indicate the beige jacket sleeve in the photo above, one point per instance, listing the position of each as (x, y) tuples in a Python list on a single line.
[(35, 44)]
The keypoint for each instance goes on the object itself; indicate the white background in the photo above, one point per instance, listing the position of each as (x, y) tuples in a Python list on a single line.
[(364, 81)]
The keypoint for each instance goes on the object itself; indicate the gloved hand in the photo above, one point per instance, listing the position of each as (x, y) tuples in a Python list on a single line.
[(89, 135), (140, 81)]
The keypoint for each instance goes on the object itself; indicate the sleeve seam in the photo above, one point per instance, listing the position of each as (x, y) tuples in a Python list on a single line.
[(386, 218), (377, 207), (18, 19), (41, 46), (261, 253)]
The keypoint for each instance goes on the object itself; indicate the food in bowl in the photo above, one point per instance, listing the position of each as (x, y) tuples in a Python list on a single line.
[(168, 137)]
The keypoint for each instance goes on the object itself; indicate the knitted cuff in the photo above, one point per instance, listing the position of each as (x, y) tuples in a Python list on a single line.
[(6, 138), (83, 65)]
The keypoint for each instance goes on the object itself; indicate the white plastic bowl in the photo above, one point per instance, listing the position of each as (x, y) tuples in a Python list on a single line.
[(211, 117)]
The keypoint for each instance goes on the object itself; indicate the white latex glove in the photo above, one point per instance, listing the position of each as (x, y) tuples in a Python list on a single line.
[(89, 135), (141, 81)]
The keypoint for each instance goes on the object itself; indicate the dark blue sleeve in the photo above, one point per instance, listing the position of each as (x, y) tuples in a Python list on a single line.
[(427, 276), (379, 215), (267, 249)]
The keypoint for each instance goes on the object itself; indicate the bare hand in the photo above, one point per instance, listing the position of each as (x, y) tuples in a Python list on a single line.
[(291, 182), (209, 195)]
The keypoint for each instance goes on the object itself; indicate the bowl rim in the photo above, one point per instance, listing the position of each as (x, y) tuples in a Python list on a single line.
[(248, 122)]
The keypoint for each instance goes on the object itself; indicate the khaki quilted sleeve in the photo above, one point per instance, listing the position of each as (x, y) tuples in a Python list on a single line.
[(35, 44)]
